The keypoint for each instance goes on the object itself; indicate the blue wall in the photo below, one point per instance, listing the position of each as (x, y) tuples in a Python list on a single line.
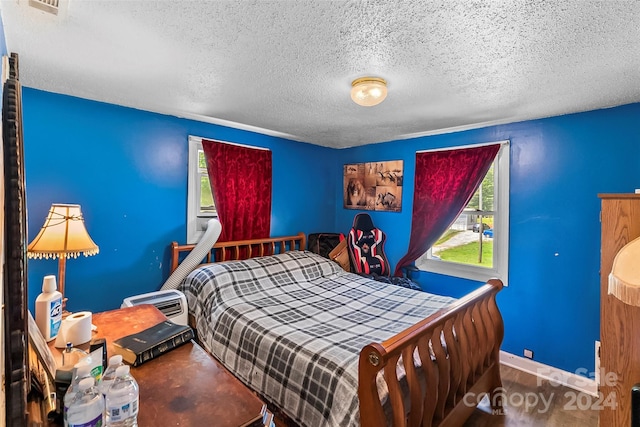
[(3, 42), (558, 166), (3, 47), (128, 170)]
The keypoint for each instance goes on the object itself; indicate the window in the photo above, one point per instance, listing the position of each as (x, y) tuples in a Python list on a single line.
[(476, 245), (200, 204)]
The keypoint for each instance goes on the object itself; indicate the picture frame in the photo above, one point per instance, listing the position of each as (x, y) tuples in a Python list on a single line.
[(42, 398), (373, 185), (41, 349)]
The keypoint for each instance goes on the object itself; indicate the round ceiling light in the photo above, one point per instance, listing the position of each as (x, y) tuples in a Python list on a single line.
[(368, 91)]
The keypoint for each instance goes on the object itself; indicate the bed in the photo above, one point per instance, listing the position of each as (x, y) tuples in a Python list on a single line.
[(329, 348)]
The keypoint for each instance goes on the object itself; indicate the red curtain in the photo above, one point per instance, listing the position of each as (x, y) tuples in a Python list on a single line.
[(241, 182), (445, 181)]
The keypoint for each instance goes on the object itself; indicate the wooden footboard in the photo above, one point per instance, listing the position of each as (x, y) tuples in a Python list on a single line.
[(458, 348)]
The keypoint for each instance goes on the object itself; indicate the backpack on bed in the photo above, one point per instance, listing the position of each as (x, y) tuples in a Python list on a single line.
[(323, 243)]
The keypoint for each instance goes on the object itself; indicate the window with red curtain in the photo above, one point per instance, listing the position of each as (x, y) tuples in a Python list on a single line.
[(240, 178), (445, 181)]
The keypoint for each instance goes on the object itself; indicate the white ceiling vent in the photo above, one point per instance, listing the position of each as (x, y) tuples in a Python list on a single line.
[(49, 6)]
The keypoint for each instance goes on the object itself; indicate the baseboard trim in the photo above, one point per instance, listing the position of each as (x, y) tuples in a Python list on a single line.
[(540, 370)]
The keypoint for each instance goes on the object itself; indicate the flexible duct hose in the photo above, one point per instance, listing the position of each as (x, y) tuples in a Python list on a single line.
[(195, 257)]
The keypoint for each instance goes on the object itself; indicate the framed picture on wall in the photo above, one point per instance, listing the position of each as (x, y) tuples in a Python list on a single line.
[(373, 186)]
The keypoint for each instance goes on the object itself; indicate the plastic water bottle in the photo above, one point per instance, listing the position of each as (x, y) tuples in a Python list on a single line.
[(122, 400), (82, 372), (110, 374), (86, 408)]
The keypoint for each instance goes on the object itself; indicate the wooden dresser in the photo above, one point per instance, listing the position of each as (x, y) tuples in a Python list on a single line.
[(183, 387), (619, 322)]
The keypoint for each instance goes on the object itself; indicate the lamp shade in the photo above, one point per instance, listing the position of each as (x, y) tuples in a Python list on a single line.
[(624, 280), (63, 235), (368, 91)]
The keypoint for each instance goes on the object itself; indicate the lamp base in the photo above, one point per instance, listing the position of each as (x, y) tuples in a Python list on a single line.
[(65, 313)]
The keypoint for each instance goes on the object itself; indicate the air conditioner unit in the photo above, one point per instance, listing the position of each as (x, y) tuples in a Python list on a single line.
[(171, 303)]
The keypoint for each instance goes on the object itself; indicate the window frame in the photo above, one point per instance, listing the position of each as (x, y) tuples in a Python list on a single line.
[(500, 267), (194, 216)]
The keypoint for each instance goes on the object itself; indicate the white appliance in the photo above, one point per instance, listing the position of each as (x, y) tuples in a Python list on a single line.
[(171, 303)]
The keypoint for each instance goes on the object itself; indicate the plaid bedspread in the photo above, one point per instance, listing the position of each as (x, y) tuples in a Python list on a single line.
[(291, 327)]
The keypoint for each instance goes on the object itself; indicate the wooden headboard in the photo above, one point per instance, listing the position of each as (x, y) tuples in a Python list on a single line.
[(242, 249)]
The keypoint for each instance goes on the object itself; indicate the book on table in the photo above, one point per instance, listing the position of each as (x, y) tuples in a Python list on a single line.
[(152, 342)]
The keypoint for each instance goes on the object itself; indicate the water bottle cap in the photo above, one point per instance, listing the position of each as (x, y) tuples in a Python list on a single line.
[(86, 383), (115, 359), (122, 370)]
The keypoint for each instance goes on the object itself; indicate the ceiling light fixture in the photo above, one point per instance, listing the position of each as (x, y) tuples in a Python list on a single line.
[(368, 91)]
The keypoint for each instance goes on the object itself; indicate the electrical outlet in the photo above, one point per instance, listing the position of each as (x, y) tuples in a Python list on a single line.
[(528, 353)]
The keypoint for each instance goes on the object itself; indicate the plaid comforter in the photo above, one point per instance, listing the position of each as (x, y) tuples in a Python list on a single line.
[(291, 326)]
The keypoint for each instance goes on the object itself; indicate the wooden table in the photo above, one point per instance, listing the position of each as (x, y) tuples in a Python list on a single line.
[(183, 387)]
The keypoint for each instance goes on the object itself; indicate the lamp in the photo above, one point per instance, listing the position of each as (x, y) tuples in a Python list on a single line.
[(624, 280), (62, 236), (368, 91)]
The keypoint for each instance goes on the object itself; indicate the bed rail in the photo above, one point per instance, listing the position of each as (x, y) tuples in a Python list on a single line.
[(242, 249), (458, 348)]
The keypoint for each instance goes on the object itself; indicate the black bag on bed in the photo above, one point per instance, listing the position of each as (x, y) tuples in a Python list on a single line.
[(404, 282), (323, 243)]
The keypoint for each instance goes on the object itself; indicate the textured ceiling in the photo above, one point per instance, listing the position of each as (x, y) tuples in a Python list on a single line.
[(285, 67)]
